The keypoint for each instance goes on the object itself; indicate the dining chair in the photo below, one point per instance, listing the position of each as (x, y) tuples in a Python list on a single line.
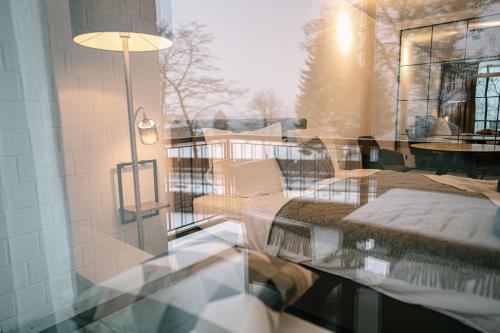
[(423, 159), (374, 157)]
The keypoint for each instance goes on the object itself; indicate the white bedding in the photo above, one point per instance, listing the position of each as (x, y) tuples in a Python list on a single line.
[(486, 187), (258, 214), (441, 216)]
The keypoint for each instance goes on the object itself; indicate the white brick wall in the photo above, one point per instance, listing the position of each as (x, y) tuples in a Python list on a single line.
[(7, 306), (24, 248), (8, 170), (3, 253), (20, 195), (63, 129), (10, 87), (31, 297), (23, 221)]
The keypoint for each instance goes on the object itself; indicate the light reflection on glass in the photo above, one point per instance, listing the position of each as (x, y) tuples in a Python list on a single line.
[(344, 31), (377, 266)]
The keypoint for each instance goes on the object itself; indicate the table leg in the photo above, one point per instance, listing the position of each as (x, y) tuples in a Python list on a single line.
[(470, 165), (437, 163), (443, 163)]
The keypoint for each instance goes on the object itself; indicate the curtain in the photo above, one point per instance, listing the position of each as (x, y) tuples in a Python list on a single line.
[(457, 94)]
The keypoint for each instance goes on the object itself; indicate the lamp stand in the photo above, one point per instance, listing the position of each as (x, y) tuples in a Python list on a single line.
[(133, 143)]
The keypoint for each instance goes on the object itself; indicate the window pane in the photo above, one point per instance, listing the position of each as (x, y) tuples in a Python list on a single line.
[(480, 103), (448, 41), (416, 46), (492, 109), (494, 86), (493, 125), (494, 68), (484, 37), (414, 82), (435, 84), (479, 126), (481, 86), (411, 113)]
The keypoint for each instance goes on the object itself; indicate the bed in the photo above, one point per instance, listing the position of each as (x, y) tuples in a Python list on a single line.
[(408, 236), (446, 259)]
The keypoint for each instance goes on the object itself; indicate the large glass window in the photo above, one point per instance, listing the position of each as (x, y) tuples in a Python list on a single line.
[(487, 96), (460, 83)]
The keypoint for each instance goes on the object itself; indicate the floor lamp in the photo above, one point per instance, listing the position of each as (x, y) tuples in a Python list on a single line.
[(118, 30)]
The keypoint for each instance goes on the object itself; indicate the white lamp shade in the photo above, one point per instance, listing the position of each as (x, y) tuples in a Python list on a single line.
[(111, 41), (99, 25), (148, 131)]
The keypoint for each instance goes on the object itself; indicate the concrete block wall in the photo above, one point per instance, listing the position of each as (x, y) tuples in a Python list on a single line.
[(63, 129)]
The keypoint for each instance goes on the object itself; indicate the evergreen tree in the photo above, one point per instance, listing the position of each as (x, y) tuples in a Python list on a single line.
[(316, 101)]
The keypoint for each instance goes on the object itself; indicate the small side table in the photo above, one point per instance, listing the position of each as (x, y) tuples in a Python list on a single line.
[(149, 209)]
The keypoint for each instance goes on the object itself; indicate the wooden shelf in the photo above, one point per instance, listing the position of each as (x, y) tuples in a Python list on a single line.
[(147, 207)]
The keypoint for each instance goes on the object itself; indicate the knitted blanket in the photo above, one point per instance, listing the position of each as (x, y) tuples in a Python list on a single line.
[(425, 256)]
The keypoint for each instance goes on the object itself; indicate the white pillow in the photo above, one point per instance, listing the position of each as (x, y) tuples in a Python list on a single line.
[(273, 130), (246, 178), (214, 136)]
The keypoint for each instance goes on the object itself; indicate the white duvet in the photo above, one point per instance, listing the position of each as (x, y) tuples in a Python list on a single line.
[(482, 313)]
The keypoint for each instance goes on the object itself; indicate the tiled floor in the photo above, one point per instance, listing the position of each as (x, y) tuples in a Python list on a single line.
[(226, 234)]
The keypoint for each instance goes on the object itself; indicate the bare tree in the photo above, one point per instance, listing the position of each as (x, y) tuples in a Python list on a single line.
[(265, 103), (190, 84)]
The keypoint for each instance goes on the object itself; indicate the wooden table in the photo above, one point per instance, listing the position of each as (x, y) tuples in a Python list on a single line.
[(472, 138), (468, 150)]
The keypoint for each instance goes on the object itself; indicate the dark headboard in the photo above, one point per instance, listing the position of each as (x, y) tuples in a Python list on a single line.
[(180, 128)]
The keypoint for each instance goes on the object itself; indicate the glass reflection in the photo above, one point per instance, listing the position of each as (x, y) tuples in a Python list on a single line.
[(269, 112), (450, 249)]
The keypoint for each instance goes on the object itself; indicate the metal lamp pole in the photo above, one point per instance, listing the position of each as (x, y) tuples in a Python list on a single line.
[(133, 143)]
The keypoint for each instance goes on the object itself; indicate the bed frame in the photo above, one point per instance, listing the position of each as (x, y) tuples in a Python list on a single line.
[(344, 306)]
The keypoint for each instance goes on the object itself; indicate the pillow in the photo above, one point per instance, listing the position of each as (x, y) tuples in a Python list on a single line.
[(273, 130), (245, 178), (278, 283), (305, 163), (273, 133)]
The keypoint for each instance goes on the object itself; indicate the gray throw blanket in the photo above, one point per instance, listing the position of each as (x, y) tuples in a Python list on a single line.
[(417, 258)]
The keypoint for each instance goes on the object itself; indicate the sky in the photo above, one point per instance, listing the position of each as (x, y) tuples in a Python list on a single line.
[(256, 41)]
